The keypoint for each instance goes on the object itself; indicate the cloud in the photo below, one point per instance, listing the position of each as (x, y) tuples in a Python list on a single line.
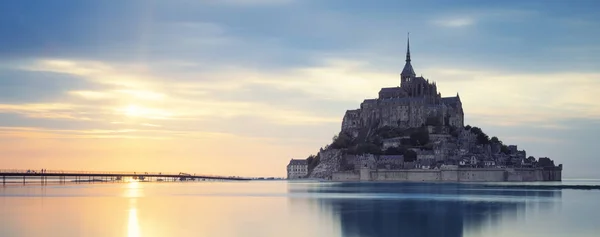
[(21, 86), (188, 70), (455, 22)]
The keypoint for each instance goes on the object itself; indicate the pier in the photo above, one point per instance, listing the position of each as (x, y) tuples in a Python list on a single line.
[(60, 176)]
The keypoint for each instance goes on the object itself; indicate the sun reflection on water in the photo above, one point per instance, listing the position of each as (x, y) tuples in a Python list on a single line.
[(133, 226), (133, 191)]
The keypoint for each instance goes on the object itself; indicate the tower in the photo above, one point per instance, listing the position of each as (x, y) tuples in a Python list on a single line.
[(408, 72)]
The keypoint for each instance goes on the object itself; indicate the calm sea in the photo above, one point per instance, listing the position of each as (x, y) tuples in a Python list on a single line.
[(281, 208)]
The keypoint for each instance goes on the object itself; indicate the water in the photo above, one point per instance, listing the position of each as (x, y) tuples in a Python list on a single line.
[(280, 208)]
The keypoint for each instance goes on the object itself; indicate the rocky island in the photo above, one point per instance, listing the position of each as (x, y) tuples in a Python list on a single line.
[(412, 133)]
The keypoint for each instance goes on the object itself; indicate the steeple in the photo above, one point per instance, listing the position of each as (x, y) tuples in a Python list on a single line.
[(408, 48), (408, 70)]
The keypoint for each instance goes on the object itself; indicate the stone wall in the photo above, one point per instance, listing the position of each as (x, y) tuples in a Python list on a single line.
[(482, 175), (346, 176), (452, 175)]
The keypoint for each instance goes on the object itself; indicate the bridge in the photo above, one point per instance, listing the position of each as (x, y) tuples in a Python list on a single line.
[(61, 176)]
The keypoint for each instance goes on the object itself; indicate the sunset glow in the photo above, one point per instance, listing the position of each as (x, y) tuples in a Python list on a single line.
[(178, 87)]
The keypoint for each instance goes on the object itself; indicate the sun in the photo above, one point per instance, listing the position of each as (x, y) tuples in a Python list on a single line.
[(133, 111)]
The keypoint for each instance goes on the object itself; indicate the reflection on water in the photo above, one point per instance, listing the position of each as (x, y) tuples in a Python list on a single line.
[(417, 209), (294, 209), (133, 226), (133, 190)]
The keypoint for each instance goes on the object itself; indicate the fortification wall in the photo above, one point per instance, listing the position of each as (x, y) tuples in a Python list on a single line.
[(345, 176), (481, 175), (390, 175), (424, 175), (451, 175)]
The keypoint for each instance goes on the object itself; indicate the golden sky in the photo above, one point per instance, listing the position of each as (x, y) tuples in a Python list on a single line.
[(222, 88)]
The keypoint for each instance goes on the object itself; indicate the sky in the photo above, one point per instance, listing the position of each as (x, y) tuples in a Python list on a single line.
[(239, 87)]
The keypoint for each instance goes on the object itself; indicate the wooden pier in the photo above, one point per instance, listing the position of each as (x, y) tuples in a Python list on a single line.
[(45, 176)]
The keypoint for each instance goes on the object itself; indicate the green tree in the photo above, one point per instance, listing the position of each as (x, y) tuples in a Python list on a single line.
[(504, 149), (410, 156), (420, 137), (313, 161), (495, 140), (468, 127), (367, 148), (395, 151), (341, 141), (482, 138)]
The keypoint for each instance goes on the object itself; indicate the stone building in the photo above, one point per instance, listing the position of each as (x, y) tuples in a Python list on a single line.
[(297, 169), (416, 102), (390, 162)]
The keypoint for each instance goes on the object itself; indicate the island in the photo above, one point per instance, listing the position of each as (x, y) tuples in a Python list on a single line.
[(412, 133)]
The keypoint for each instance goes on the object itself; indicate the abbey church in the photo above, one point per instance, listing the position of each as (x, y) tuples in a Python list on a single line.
[(415, 103)]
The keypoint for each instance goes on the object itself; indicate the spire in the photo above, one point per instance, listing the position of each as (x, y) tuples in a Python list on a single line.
[(408, 70), (408, 48)]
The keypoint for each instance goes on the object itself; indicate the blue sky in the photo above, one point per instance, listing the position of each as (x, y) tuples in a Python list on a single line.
[(257, 82)]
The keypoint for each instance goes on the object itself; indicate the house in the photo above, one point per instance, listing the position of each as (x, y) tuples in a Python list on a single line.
[(425, 155), (473, 160), (297, 169), (425, 164), (489, 163), (390, 162)]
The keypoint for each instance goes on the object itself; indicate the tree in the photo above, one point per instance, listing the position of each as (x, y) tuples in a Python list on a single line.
[(482, 138), (341, 141), (420, 137), (468, 127), (367, 148), (389, 132), (410, 156), (495, 140), (504, 149), (395, 151), (314, 161)]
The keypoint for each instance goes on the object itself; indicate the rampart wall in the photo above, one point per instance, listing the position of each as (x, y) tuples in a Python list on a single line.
[(452, 175)]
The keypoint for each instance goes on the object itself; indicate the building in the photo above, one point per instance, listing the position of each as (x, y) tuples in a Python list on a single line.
[(415, 103), (297, 169)]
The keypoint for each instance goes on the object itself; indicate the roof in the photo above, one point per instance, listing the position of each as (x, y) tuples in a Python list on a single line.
[(426, 162), (408, 70), (298, 162), (452, 101), (391, 157), (390, 89)]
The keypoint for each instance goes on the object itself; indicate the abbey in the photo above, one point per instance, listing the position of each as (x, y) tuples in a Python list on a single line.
[(414, 103), (412, 133)]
